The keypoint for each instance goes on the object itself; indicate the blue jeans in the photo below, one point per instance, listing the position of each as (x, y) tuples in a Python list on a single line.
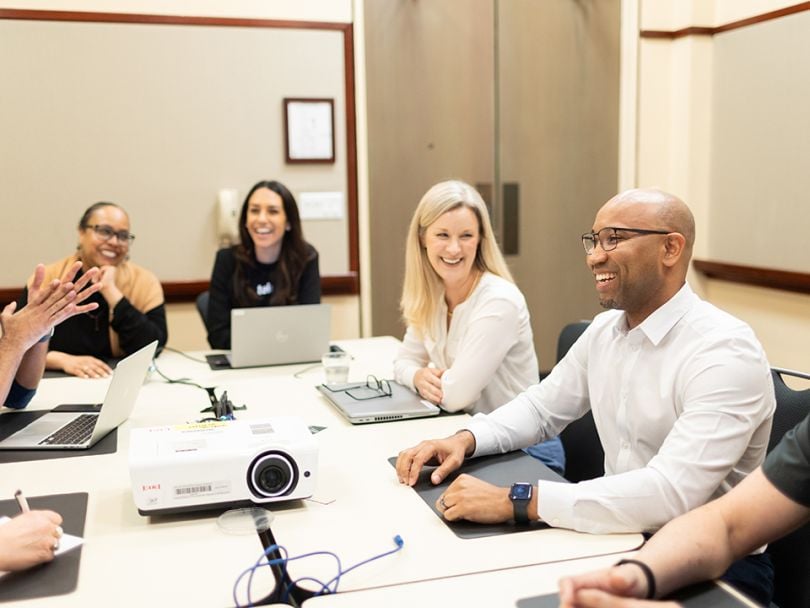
[(550, 453)]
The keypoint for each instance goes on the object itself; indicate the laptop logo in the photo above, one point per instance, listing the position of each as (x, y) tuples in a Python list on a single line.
[(282, 336)]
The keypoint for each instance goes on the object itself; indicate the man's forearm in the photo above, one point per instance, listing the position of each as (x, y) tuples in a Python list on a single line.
[(691, 548), (703, 543)]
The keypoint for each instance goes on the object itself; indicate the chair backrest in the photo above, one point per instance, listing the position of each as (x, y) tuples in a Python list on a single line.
[(584, 456), (791, 554), (202, 307)]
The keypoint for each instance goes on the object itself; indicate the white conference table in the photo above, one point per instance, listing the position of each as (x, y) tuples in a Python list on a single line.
[(356, 511), (493, 589)]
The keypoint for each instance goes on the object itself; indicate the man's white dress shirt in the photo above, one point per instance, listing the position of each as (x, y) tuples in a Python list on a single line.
[(682, 403)]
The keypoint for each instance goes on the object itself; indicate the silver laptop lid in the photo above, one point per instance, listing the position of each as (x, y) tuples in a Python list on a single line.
[(126, 382), (119, 402), (359, 406), (279, 335)]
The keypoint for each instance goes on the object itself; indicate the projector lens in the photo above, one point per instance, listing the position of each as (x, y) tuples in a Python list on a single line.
[(272, 474)]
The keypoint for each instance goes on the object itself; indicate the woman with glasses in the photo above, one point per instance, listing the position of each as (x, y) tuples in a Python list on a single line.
[(271, 266), (131, 311), (469, 344)]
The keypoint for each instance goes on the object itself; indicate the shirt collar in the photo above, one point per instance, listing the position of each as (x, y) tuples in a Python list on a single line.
[(664, 318)]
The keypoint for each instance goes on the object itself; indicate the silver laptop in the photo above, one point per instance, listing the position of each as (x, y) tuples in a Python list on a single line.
[(81, 430), (279, 335), (361, 404)]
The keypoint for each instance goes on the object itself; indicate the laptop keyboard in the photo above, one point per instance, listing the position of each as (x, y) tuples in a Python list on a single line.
[(76, 432)]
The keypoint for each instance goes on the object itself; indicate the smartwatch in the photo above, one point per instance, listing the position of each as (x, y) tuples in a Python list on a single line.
[(520, 495)]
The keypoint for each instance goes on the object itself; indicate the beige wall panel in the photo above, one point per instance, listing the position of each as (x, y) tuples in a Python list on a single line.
[(429, 97), (727, 11), (559, 109), (761, 144), (779, 318), (157, 118)]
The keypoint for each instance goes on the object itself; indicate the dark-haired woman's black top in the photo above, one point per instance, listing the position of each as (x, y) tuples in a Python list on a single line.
[(262, 278)]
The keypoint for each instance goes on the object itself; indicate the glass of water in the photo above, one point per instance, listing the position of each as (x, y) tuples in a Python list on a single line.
[(336, 367)]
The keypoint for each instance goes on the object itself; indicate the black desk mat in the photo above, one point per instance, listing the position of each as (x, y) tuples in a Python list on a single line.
[(702, 595), (56, 577), (11, 422), (502, 470)]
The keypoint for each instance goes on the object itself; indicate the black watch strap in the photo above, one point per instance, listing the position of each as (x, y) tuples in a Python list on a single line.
[(520, 495)]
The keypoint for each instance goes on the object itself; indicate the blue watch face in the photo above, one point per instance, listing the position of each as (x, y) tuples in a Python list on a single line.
[(521, 491)]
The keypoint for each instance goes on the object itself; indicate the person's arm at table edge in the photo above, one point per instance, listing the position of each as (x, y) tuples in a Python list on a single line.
[(702, 544)]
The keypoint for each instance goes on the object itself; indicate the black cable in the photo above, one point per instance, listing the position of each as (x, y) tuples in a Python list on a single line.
[(186, 355), (187, 381)]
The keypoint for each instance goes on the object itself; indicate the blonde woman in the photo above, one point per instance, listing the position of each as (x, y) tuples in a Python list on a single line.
[(469, 343)]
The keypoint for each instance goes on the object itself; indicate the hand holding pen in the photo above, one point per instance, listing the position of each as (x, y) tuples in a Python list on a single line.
[(29, 538)]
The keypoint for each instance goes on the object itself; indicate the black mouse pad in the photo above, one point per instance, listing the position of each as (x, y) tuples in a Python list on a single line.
[(502, 470), (61, 575), (12, 422)]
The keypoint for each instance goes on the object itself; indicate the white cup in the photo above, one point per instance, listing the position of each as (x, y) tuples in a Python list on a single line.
[(336, 367)]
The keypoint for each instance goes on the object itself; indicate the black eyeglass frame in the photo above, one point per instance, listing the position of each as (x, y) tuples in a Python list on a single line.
[(589, 239), (380, 388), (124, 236)]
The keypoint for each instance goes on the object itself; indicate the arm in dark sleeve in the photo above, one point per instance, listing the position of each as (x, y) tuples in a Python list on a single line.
[(136, 329), (220, 300), (309, 287), (19, 396)]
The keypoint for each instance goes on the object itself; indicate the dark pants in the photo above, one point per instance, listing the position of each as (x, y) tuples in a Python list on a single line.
[(753, 575)]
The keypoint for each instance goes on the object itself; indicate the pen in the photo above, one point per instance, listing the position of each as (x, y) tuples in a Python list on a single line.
[(24, 508)]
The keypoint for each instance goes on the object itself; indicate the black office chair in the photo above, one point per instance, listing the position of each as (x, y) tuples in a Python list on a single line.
[(202, 307), (791, 554), (584, 456)]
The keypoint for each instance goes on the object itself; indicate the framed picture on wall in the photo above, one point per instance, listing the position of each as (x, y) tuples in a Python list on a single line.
[(309, 130)]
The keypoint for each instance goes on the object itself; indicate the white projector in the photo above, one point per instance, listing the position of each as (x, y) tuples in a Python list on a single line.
[(190, 467)]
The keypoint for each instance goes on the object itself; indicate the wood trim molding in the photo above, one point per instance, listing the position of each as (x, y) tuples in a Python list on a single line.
[(84, 16), (333, 285), (797, 282), (711, 31), (187, 291), (673, 34)]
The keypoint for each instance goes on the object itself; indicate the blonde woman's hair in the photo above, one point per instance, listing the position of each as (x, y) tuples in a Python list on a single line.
[(422, 289)]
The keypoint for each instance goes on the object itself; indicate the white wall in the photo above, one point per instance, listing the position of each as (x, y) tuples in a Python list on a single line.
[(673, 149)]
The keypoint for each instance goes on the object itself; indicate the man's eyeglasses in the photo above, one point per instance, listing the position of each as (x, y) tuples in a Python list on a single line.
[(374, 388), (105, 233), (609, 237)]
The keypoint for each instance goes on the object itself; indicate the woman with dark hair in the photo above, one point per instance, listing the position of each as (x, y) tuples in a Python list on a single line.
[(131, 311), (272, 265)]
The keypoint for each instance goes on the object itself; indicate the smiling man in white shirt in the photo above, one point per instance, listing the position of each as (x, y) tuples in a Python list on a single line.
[(680, 391)]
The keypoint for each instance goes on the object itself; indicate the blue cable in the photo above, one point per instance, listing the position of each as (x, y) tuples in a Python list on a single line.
[(274, 562), (399, 542), (285, 559), (250, 570)]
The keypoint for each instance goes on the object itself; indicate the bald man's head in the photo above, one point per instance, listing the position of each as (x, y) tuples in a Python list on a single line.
[(663, 208), (642, 258)]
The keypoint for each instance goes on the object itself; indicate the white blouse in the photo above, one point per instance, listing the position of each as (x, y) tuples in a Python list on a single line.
[(487, 351)]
